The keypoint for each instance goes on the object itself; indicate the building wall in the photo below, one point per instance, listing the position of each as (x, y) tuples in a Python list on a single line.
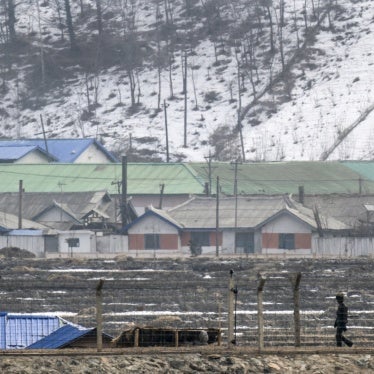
[(33, 158), (92, 155), (87, 242), (168, 234), (186, 237), (152, 225), (55, 215), (286, 224)]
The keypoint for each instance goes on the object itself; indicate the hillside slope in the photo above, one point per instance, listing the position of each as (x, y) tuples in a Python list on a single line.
[(280, 80)]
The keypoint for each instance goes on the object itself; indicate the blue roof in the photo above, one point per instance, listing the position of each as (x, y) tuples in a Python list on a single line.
[(13, 152), (63, 150), (61, 337), (18, 331)]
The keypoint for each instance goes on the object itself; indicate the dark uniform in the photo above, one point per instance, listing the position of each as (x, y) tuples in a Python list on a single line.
[(341, 322)]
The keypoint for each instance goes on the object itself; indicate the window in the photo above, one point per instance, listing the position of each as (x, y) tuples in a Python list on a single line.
[(245, 241), (200, 238), (152, 241), (287, 241)]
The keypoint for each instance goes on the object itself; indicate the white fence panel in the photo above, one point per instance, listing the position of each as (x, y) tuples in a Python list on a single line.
[(343, 246), (112, 244), (34, 244)]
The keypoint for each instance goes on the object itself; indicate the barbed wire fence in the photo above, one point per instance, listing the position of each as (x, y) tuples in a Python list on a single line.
[(284, 309)]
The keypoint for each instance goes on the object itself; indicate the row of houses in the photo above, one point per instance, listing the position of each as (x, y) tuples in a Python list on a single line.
[(225, 225), (261, 208)]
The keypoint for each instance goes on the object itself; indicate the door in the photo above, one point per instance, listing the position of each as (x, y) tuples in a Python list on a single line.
[(245, 242)]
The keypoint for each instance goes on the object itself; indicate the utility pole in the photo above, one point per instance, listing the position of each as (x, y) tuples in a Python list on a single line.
[(236, 199), (20, 198), (162, 187), (185, 99), (124, 213), (44, 135), (166, 132), (99, 315), (217, 216), (209, 160)]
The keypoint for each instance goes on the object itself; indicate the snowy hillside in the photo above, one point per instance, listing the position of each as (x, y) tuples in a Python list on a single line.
[(268, 80)]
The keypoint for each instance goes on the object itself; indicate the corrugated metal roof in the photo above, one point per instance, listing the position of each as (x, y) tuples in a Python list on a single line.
[(15, 152), (345, 208), (10, 221), (64, 336), (200, 213), (158, 212), (17, 331), (142, 178), (64, 150), (273, 178), (80, 203)]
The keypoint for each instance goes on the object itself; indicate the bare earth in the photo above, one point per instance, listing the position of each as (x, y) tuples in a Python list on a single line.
[(234, 362)]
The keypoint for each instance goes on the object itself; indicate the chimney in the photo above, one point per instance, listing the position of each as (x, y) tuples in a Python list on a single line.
[(301, 195)]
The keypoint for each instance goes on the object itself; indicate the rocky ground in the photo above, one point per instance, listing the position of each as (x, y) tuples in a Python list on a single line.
[(191, 363)]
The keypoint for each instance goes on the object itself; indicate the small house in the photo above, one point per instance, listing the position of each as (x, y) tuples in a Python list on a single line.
[(260, 224), (86, 150)]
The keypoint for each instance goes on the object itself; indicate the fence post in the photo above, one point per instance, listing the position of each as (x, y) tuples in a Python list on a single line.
[(230, 322), (176, 337), (260, 311), (99, 315), (136, 337), (296, 301)]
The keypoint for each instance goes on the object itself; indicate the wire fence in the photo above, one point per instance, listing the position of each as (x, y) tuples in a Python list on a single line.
[(176, 301)]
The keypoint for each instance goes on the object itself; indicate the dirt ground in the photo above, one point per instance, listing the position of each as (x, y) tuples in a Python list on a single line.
[(191, 363)]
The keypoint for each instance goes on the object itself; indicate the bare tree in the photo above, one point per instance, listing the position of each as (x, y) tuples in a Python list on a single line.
[(184, 77), (295, 25), (99, 16), (69, 22), (42, 63), (159, 56), (130, 48), (280, 26), (268, 4), (60, 24), (10, 18)]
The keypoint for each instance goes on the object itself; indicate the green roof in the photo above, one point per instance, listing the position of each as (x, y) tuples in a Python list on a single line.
[(273, 178), (268, 178), (143, 178), (364, 168)]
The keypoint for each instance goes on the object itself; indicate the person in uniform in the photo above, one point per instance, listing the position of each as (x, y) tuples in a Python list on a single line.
[(341, 322)]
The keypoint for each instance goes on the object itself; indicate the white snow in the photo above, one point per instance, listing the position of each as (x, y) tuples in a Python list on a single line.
[(325, 100)]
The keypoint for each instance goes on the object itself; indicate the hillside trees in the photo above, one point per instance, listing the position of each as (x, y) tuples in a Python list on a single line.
[(130, 47)]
